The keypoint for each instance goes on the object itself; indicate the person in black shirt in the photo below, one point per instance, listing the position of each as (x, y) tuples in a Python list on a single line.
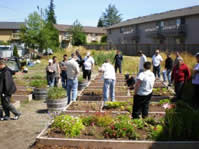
[(168, 69), (118, 62), (7, 88)]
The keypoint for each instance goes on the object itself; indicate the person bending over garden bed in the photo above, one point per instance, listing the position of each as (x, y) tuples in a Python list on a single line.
[(143, 92)]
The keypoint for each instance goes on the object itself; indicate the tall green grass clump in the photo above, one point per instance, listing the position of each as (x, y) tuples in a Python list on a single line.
[(101, 56)]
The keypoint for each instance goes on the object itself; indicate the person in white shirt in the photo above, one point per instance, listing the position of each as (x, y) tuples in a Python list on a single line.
[(72, 75), (143, 92), (109, 80), (88, 66), (156, 60), (143, 59)]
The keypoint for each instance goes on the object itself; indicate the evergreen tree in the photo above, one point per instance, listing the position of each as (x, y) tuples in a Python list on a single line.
[(51, 13), (15, 51), (111, 16), (100, 23)]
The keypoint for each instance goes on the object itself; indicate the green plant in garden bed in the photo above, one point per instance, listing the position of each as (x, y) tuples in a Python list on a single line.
[(56, 93), (106, 125), (38, 83), (161, 92), (35, 77), (99, 119), (71, 126), (121, 128), (123, 106), (164, 101)]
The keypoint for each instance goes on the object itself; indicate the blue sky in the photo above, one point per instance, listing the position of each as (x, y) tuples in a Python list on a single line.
[(88, 11)]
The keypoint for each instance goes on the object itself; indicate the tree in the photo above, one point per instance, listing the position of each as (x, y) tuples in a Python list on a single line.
[(51, 13), (111, 16), (78, 36), (39, 33), (104, 39), (100, 23), (15, 51), (30, 31)]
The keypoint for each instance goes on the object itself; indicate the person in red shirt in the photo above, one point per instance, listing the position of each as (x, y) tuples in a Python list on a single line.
[(180, 75)]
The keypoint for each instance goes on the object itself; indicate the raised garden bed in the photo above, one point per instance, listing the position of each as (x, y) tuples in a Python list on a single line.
[(85, 106)]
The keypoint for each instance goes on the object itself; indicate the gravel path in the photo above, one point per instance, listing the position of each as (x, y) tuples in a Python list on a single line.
[(22, 133)]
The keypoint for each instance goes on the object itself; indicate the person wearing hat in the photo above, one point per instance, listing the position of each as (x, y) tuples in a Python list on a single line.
[(180, 75), (88, 66), (7, 88), (156, 61), (195, 82), (50, 73), (118, 61)]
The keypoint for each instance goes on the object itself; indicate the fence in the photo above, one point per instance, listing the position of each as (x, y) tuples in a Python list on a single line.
[(148, 49)]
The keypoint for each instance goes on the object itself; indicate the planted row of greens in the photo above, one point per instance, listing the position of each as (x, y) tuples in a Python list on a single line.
[(181, 123)]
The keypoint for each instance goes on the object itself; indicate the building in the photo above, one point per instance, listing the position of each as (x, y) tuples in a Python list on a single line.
[(93, 34), (173, 30), (9, 31)]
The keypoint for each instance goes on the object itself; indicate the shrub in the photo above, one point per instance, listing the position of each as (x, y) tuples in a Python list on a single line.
[(56, 93), (101, 56), (71, 126), (104, 39), (38, 83), (181, 124)]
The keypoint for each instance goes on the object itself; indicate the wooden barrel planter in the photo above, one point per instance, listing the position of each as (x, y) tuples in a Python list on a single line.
[(56, 105), (40, 93), (82, 85)]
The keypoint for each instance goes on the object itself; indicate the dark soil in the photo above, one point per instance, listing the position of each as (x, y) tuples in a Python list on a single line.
[(85, 106)]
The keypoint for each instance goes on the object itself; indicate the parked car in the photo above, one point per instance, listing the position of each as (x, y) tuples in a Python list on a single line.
[(13, 63)]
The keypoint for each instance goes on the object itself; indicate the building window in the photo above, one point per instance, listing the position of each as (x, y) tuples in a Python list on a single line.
[(162, 24), (109, 31), (178, 22), (121, 30)]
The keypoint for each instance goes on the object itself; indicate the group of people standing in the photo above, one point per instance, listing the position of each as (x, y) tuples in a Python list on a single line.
[(176, 72), (68, 71)]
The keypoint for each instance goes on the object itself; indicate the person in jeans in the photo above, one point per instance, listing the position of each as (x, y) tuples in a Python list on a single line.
[(156, 60), (72, 78), (180, 75), (168, 71), (143, 59), (7, 88), (109, 81), (195, 82), (57, 71), (118, 62), (63, 71), (50, 73), (88, 66), (143, 92)]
